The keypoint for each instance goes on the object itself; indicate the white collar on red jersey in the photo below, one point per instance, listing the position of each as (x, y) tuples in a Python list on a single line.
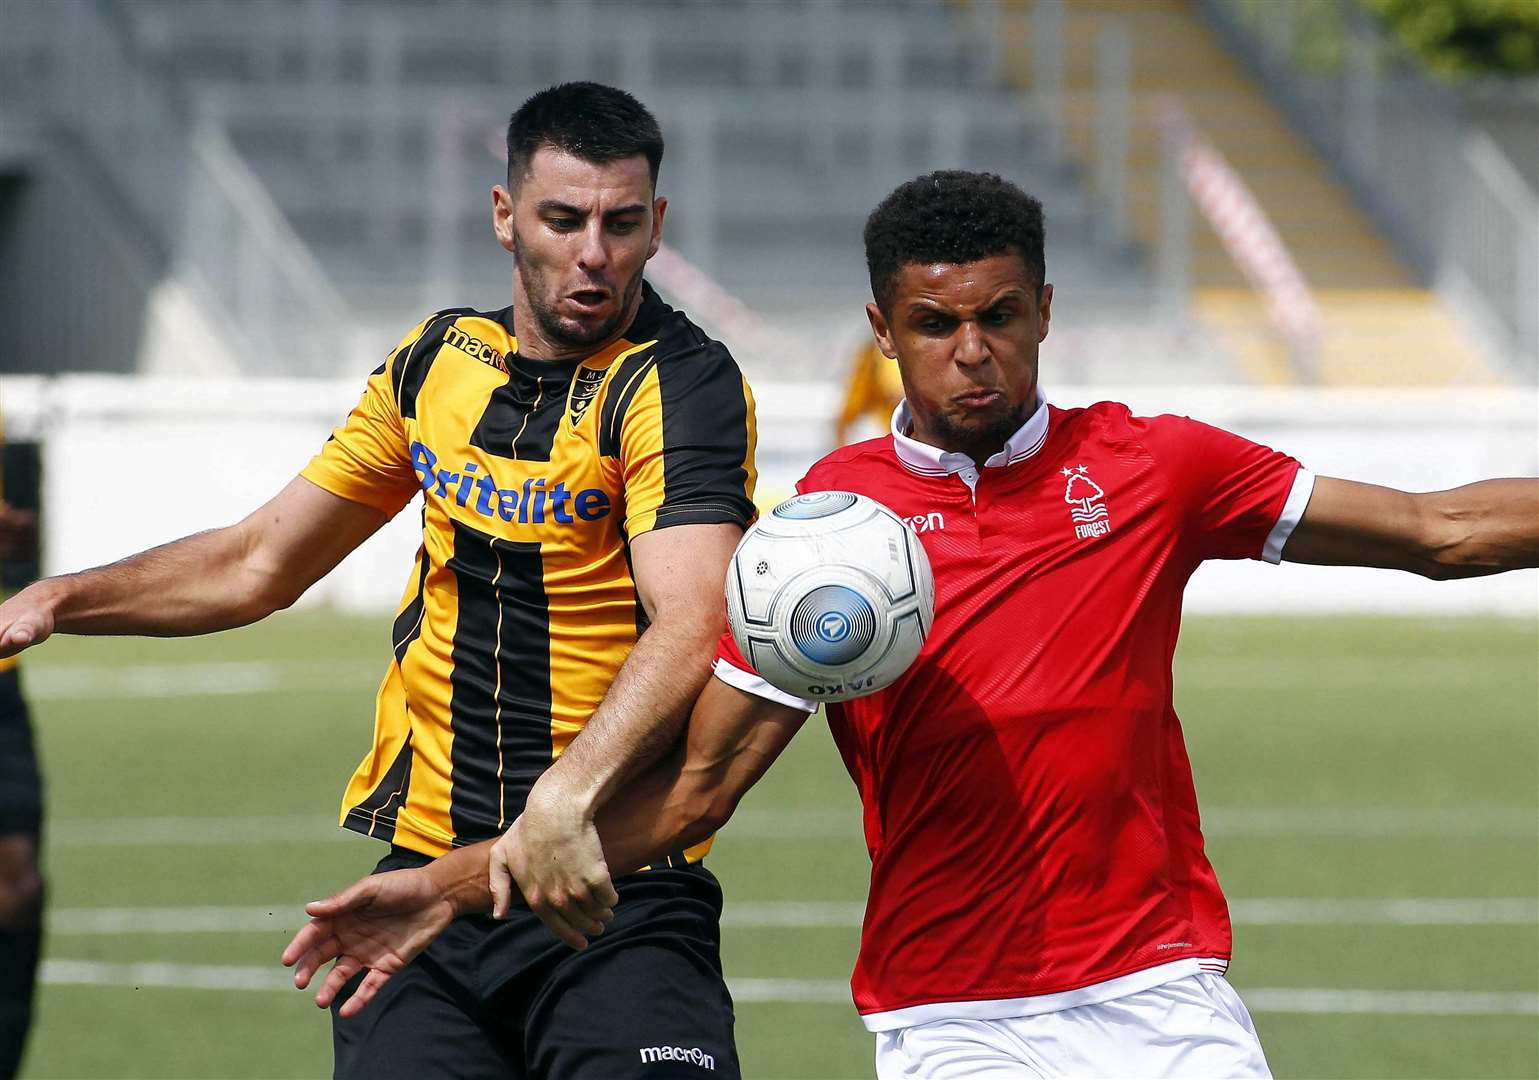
[(930, 460)]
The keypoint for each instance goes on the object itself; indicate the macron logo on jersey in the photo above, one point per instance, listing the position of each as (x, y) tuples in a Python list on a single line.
[(693, 1055), (456, 338), (527, 504), (923, 523)]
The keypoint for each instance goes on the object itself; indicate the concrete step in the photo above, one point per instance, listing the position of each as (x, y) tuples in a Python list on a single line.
[(1402, 337)]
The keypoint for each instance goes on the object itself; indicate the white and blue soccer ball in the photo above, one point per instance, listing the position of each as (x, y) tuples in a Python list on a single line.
[(829, 596)]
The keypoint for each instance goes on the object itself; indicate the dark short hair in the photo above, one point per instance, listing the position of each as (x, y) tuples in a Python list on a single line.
[(589, 120), (952, 216)]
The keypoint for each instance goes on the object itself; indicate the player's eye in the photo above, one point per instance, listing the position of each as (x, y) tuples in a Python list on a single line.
[(997, 316), (936, 325), (624, 226), (562, 224)]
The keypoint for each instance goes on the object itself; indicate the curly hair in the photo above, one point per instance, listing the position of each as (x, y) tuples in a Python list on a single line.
[(952, 216), (592, 121)]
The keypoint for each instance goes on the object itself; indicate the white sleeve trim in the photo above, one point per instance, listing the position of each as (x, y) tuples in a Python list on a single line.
[(1292, 513), (750, 683)]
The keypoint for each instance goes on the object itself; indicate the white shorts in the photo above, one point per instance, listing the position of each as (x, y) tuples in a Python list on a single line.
[(1193, 1027)]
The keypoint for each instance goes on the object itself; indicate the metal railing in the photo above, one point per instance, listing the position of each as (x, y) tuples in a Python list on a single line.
[(1458, 211), (76, 64)]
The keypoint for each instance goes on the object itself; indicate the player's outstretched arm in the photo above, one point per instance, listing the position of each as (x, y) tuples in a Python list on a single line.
[(1481, 528), (679, 573), (210, 581)]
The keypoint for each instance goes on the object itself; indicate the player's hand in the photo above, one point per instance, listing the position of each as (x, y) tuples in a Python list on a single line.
[(553, 857), (378, 924), (26, 619)]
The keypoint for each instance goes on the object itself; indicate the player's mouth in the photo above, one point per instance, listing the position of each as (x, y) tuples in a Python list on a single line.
[(978, 399), (588, 301)]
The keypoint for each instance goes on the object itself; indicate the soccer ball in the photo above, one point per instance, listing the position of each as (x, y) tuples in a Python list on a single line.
[(829, 596)]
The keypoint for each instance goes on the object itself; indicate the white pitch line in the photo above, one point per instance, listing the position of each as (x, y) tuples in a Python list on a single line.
[(801, 914), (818, 991), (201, 678), (1371, 821), (1407, 912), (89, 682), (194, 831), (1391, 1002), (165, 976), (790, 824), (175, 920), (1309, 674)]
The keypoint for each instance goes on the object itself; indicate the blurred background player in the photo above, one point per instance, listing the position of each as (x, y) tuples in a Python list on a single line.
[(21, 805), (586, 459), (1040, 900), (872, 389)]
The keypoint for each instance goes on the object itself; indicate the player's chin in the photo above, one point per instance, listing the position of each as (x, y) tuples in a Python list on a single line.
[(588, 329), (981, 419)]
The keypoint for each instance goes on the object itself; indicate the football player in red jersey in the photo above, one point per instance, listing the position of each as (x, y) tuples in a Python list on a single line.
[(1040, 900)]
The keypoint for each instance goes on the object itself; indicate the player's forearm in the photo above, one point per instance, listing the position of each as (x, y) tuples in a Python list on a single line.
[(675, 805), (196, 585), (641, 717), (683, 799), (461, 878), (1483, 528)]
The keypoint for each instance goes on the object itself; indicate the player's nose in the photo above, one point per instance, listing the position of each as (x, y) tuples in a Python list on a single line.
[(593, 254), (971, 347)]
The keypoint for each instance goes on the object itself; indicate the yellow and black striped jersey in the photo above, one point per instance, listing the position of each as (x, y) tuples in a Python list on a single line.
[(521, 607)]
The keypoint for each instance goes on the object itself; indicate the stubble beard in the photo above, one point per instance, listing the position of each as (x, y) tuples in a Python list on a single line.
[(561, 330), (981, 440)]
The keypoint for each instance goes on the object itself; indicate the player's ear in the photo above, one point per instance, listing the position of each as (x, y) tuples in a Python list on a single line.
[(1044, 312), (882, 331), (502, 216), (659, 208)]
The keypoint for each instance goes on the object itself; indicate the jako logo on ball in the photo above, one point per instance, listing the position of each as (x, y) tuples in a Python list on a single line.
[(829, 596)]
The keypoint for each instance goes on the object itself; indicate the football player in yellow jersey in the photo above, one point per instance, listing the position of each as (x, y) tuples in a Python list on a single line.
[(586, 462), (872, 391)]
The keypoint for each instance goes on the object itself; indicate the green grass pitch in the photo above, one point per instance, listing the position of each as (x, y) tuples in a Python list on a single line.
[(1342, 763)]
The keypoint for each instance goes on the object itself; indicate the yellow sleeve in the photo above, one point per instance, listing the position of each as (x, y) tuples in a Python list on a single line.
[(687, 443), (367, 459)]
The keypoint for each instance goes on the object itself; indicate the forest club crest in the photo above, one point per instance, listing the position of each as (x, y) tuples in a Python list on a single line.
[(1087, 506)]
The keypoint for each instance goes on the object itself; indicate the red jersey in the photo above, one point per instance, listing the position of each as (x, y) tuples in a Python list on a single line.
[(1028, 802)]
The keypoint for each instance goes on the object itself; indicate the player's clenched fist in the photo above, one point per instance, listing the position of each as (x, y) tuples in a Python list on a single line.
[(553, 857)]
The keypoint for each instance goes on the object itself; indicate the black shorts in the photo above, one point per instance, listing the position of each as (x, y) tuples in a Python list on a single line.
[(21, 789), (645, 1000)]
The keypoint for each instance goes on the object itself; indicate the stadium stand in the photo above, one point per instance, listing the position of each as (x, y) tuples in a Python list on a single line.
[(1381, 324), (301, 178), (784, 131)]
